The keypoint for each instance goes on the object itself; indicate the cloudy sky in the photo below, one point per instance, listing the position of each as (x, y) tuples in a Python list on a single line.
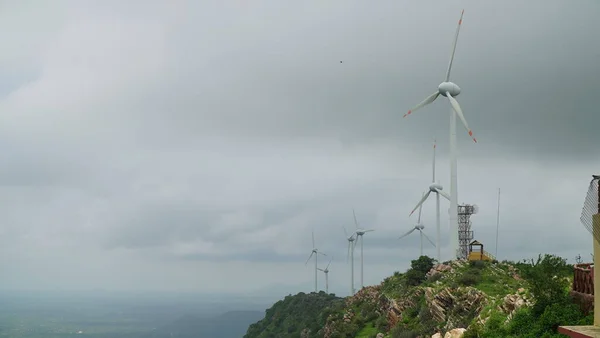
[(194, 145)]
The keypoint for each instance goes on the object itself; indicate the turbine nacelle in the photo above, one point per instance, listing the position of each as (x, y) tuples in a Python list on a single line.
[(419, 227), (434, 187), (449, 87)]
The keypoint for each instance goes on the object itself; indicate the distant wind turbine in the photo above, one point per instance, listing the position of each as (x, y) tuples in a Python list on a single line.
[(351, 242), (326, 271), (359, 236), (315, 252), (419, 226), (438, 190)]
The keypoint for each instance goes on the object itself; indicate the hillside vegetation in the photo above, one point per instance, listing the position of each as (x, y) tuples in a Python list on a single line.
[(295, 315), (469, 299)]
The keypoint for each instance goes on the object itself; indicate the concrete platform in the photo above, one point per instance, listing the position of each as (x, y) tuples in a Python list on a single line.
[(589, 331)]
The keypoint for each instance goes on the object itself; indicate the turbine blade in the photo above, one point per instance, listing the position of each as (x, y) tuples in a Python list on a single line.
[(454, 45), (420, 208), (430, 241), (459, 112), (320, 253), (434, 146), (408, 233), (420, 202), (345, 232), (369, 230), (329, 263), (309, 257), (443, 193), (320, 269), (355, 221), (423, 103)]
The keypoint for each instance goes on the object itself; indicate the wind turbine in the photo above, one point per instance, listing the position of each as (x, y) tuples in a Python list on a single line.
[(315, 252), (326, 271), (351, 242), (450, 90), (359, 235), (419, 226), (438, 190)]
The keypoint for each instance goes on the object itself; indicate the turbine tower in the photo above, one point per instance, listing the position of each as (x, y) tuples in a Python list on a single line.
[(438, 190), (315, 252), (351, 242), (419, 226), (326, 271), (450, 90), (359, 236)]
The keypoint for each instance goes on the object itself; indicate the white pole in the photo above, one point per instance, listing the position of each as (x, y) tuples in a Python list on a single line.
[(352, 269), (326, 282), (433, 180), (421, 232), (497, 223), (361, 261), (437, 220), (316, 254), (453, 187)]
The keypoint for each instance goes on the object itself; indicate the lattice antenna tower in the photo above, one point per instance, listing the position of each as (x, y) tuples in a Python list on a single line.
[(465, 234)]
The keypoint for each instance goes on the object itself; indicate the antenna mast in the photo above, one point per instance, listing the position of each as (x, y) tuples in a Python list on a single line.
[(497, 222)]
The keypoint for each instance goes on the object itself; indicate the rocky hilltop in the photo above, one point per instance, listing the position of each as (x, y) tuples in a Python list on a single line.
[(452, 299)]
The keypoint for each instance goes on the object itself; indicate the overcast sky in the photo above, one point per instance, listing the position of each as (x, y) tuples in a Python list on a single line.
[(193, 145)]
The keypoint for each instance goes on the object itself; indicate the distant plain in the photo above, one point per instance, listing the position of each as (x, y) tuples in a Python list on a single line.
[(112, 315)]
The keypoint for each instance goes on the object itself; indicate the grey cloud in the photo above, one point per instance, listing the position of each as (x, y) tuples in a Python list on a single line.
[(206, 137), (520, 69)]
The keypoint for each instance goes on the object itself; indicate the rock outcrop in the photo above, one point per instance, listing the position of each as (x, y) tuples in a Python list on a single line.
[(455, 333), (442, 303), (438, 269)]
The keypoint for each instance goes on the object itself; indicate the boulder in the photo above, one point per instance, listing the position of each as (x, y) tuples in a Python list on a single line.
[(455, 333)]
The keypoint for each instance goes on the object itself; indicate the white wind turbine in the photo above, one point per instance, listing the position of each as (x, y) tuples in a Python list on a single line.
[(419, 226), (315, 252), (326, 271), (450, 90), (351, 242), (359, 236), (438, 190)]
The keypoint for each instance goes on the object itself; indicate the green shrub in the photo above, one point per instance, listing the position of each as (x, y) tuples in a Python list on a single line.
[(400, 332), (434, 278), (470, 277), (546, 281), (381, 323), (477, 264), (553, 307), (425, 314)]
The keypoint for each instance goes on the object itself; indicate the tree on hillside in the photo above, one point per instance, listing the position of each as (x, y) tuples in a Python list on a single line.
[(294, 315), (547, 281), (418, 269)]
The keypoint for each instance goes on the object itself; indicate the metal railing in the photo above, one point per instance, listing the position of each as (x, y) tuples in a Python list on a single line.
[(583, 278), (492, 257)]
